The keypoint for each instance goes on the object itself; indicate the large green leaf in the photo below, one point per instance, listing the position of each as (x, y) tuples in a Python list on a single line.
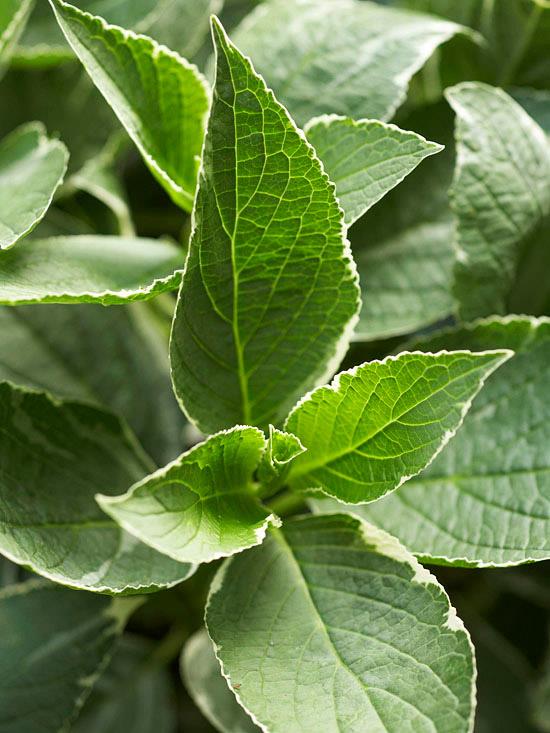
[(331, 625), (485, 500), (88, 269), (270, 293), (404, 245), (13, 18), (54, 645), (160, 98), (32, 167), (54, 458), (382, 422), (203, 679), (203, 505), (113, 357), (536, 102), (365, 159), (135, 693), (347, 57), (500, 194)]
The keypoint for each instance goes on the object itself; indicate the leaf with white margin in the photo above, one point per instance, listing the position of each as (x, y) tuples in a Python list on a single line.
[(500, 194), (359, 54), (13, 18), (54, 457), (70, 351), (201, 673), (378, 424), (404, 247), (282, 448), (332, 625), (485, 501), (203, 505), (270, 295), (32, 167), (365, 158), (160, 98), (55, 644), (88, 269)]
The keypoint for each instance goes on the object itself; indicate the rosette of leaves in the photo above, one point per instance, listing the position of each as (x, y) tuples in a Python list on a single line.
[(314, 621)]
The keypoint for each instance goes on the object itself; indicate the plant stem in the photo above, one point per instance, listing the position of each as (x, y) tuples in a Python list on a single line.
[(515, 59), (287, 503)]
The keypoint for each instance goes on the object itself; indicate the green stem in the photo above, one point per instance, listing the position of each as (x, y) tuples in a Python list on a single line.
[(170, 646), (287, 503), (515, 59)]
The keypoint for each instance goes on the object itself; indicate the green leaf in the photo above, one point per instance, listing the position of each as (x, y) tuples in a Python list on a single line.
[(365, 159), (71, 351), (361, 55), (88, 269), (160, 98), (203, 505), (403, 247), (331, 625), (381, 423), (500, 194), (13, 18), (203, 679), (541, 700), (536, 102), (270, 293), (54, 646), (135, 693), (282, 448), (32, 167), (54, 458), (485, 501)]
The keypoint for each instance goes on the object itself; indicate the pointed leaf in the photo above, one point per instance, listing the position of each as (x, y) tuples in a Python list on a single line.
[(485, 501), (160, 98), (380, 423), (134, 693), (32, 167), (70, 350), (500, 194), (88, 269), (365, 159), (331, 625), (361, 55), (202, 506), (13, 18), (203, 679), (54, 646), (404, 246), (269, 292), (54, 458)]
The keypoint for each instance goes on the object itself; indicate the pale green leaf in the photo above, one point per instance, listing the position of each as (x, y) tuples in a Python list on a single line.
[(282, 448), (346, 57), (485, 501), (270, 293), (112, 357), (203, 505), (365, 159), (54, 458), (203, 679), (160, 98), (88, 269), (536, 102), (32, 167), (332, 626), (500, 194), (54, 645), (135, 693), (382, 422), (404, 246)]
